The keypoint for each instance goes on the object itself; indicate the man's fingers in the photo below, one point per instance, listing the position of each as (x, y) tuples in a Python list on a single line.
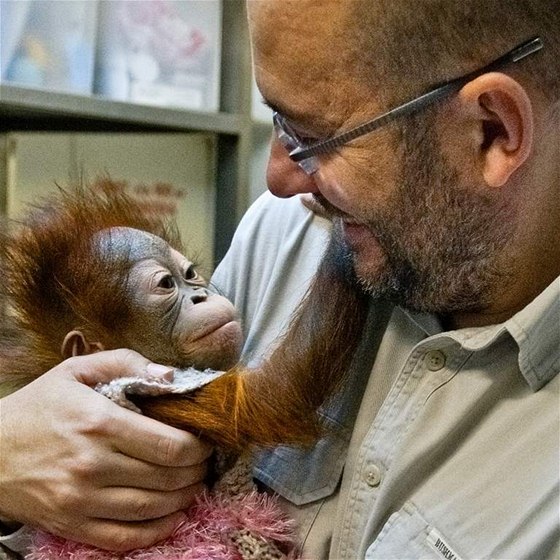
[(129, 472), (103, 367), (131, 504), (122, 536), (154, 442), (131, 433)]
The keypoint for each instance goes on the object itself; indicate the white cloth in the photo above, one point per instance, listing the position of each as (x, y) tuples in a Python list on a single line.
[(184, 381)]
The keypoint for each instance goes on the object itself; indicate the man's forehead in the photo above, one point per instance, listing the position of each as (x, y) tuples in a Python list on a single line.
[(288, 30), (302, 60)]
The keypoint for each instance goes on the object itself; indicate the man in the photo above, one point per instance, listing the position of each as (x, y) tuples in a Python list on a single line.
[(448, 441)]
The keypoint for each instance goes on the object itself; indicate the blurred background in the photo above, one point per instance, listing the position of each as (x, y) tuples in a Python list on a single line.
[(156, 94)]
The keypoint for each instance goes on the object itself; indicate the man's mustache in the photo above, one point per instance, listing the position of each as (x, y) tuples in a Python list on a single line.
[(318, 204)]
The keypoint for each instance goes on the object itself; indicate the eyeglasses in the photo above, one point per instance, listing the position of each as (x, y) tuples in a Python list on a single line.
[(304, 153)]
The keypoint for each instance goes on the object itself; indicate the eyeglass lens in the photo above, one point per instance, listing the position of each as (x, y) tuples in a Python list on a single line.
[(290, 141)]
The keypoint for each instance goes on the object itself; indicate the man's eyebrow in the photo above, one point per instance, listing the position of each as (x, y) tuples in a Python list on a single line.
[(278, 109), (294, 117), (304, 121)]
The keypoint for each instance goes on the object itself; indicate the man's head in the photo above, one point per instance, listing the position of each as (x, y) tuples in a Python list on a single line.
[(439, 208)]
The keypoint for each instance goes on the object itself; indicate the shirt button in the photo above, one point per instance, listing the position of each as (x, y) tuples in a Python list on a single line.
[(434, 360), (373, 476)]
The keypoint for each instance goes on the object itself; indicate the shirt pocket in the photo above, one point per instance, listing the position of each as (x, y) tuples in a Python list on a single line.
[(408, 536)]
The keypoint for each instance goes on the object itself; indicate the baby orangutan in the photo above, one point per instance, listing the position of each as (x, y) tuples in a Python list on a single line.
[(89, 270)]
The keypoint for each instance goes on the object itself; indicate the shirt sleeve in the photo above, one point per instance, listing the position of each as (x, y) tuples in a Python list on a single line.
[(273, 257), (16, 543)]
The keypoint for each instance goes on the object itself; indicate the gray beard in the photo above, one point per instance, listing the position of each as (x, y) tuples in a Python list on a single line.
[(441, 239)]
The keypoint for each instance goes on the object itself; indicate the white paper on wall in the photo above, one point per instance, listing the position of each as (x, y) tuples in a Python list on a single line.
[(160, 52)]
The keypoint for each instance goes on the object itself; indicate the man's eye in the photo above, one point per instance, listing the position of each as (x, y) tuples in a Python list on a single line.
[(306, 140), (191, 274), (299, 136), (166, 282)]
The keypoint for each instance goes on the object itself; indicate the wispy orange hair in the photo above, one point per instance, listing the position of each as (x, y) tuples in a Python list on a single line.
[(55, 282)]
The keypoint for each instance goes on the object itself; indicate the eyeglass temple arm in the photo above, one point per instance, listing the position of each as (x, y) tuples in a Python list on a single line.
[(515, 55)]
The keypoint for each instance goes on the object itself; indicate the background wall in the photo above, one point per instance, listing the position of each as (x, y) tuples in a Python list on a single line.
[(212, 158)]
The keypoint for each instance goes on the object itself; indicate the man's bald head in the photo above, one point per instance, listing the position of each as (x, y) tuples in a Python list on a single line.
[(398, 50)]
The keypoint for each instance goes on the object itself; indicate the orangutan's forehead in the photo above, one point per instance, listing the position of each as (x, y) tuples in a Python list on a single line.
[(129, 243)]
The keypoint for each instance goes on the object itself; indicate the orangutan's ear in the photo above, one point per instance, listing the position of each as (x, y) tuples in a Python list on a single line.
[(76, 344)]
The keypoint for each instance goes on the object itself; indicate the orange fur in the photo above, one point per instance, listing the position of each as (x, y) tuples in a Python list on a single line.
[(55, 283)]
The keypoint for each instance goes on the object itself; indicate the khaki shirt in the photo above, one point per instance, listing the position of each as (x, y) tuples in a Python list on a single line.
[(453, 451)]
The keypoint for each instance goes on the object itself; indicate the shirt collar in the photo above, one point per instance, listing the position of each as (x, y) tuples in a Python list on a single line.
[(535, 329)]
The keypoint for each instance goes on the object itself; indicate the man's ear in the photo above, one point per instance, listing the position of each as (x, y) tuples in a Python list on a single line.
[(503, 109), (76, 344)]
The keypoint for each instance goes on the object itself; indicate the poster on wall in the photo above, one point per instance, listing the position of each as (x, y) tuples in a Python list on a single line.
[(160, 52), (170, 174)]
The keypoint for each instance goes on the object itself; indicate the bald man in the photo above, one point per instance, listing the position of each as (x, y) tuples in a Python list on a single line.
[(429, 137)]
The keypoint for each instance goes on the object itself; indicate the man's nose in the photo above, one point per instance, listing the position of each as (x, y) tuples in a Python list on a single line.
[(284, 177)]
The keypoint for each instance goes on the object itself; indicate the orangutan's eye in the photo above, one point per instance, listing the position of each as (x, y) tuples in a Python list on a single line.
[(167, 282), (191, 275)]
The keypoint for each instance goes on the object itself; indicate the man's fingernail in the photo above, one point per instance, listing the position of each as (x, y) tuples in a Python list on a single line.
[(157, 370)]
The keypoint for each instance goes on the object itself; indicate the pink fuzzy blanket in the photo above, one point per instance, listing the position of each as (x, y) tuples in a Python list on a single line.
[(219, 527)]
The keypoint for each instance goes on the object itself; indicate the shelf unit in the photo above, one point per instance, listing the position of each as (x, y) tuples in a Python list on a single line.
[(23, 109)]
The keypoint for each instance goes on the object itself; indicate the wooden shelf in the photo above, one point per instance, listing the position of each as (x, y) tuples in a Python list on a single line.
[(33, 109)]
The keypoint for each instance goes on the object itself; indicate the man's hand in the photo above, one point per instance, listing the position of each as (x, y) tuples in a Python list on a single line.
[(77, 465)]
